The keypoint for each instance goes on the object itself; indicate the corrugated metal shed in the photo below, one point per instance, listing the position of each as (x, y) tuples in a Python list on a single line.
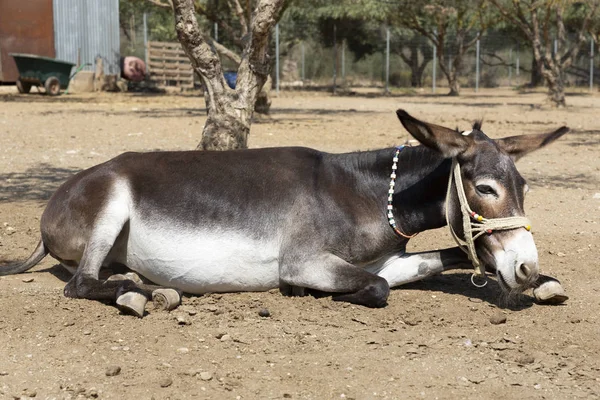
[(89, 29)]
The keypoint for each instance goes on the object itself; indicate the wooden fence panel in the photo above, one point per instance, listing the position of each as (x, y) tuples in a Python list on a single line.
[(169, 65)]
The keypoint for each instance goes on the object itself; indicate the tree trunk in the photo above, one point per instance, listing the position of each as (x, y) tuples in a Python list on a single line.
[(263, 102), (556, 87), (537, 77), (229, 110), (454, 85)]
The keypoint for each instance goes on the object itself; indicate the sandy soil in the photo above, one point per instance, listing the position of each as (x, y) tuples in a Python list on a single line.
[(433, 340)]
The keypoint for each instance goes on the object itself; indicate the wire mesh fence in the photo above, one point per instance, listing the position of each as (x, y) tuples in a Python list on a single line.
[(386, 58)]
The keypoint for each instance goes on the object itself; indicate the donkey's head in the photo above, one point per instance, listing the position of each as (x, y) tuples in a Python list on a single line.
[(493, 189)]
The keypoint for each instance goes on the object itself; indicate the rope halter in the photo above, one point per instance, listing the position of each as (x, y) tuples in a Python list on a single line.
[(475, 225)]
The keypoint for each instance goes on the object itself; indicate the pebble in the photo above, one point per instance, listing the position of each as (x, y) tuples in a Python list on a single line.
[(525, 359), (206, 376), (10, 230), (265, 313), (498, 319), (181, 320), (596, 196), (27, 280), (183, 350), (113, 370), (225, 338), (165, 382), (3, 373), (29, 393)]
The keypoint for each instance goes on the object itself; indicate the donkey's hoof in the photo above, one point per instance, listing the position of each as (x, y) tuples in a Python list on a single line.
[(132, 303), (550, 292), (166, 299), (132, 276)]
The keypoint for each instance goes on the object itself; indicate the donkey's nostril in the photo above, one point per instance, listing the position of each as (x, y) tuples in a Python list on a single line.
[(523, 273)]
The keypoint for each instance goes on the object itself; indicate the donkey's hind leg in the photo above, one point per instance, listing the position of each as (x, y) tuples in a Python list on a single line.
[(85, 283)]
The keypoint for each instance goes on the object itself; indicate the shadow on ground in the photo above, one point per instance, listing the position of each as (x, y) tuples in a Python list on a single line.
[(37, 183)]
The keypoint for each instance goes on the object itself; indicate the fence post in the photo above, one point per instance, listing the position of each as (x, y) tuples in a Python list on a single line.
[(518, 59), (434, 62), (146, 39), (387, 60), (477, 68), (510, 67), (302, 48), (277, 58), (591, 63), (334, 57), (343, 59)]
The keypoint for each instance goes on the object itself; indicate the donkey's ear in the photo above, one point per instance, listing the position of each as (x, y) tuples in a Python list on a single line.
[(519, 146), (446, 141)]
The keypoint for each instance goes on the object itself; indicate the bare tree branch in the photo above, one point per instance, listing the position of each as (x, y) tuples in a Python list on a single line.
[(239, 11)]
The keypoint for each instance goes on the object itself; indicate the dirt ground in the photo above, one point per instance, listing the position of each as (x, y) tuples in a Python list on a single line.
[(433, 340)]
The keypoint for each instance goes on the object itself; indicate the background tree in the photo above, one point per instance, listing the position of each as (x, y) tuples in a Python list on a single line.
[(229, 110), (232, 19), (456, 23), (542, 22)]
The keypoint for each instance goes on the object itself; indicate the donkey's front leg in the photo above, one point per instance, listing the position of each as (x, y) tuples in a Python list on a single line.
[(411, 267), (327, 272)]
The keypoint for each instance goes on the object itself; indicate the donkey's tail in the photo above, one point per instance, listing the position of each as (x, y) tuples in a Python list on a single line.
[(16, 268)]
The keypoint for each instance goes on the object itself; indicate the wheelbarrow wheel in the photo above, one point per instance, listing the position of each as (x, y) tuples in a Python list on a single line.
[(23, 87), (52, 86)]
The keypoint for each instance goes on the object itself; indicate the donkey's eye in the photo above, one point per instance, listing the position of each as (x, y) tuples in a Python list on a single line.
[(486, 189)]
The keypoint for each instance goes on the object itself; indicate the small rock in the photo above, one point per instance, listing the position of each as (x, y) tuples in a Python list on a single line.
[(537, 386), (3, 373), (113, 370), (69, 323), (86, 333), (183, 350), (525, 359), (27, 280), (264, 313), (206, 376), (92, 392), (192, 312), (499, 346), (165, 382), (29, 393), (561, 254), (596, 196), (10, 230), (181, 320), (225, 338), (498, 319)]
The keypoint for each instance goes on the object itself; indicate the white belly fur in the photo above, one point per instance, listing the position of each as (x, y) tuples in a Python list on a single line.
[(202, 261)]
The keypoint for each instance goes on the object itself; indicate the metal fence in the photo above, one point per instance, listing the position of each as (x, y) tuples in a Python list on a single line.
[(496, 60)]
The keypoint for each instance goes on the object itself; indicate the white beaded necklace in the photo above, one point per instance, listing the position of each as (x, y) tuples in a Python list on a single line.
[(390, 207)]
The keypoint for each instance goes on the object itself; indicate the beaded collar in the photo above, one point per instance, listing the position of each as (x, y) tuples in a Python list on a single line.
[(390, 208)]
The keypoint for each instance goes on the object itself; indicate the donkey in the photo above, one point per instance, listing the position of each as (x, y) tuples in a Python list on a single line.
[(295, 218)]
